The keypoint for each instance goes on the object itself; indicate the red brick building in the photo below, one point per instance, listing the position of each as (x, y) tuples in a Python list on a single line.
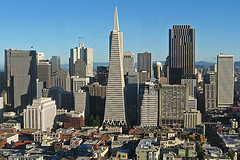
[(74, 119)]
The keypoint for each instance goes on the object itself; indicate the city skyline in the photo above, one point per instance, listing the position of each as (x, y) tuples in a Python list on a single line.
[(54, 28)]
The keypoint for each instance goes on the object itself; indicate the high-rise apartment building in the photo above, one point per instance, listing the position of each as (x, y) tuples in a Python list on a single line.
[(128, 62), (149, 105), (115, 104), (21, 73), (225, 80), (173, 101), (181, 53), (40, 115), (144, 62)]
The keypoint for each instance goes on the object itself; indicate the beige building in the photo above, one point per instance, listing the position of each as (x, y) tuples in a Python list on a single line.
[(147, 150), (192, 118), (40, 115)]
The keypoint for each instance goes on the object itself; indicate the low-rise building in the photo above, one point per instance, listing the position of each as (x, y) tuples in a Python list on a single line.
[(147, 150)]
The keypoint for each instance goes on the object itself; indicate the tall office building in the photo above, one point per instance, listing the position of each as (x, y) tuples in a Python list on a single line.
[(210, 96), (97, 100), (132, 96), (44, 73), (192, 83), (40, 115), (145, 62), (81, 102), (149, 105), (181, 53), (128, 62), (55, 63), (21, 73), (192, 118), (61, 78), (82, 57), (77, 83), (225, 80), (115, 106)]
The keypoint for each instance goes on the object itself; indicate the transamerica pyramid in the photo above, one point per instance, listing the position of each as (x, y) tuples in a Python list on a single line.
[(115, 107)]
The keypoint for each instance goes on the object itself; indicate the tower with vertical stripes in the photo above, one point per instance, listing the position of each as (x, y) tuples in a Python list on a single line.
[(115, 106)]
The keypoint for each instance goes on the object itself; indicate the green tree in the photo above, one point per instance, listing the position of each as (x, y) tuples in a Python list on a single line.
[(97, 121), (231, 154), (200, 151)]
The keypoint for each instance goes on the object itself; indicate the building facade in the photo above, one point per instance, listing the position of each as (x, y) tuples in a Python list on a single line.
[(225, 80), (181, 53), (61, 78), (149, 105), (145, 62), (173, 101), (128, 62), (40, 115), (192, 118), (21, 74), (115, 104)]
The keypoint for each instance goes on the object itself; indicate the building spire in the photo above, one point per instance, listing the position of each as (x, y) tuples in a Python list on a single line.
[(115, 21)]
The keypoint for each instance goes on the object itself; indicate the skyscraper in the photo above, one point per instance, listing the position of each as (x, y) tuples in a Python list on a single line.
[(145, 62), (225, 80), (128, 62), (44, 73), (55, 63), (81, 62), (181, 53), (115, 107), (21, 73)]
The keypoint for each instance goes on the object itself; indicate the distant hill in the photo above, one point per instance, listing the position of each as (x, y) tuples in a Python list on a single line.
[(237, 64), (203, 63)]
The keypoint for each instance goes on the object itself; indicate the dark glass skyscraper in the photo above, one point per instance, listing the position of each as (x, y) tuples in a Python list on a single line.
[(181, 53)]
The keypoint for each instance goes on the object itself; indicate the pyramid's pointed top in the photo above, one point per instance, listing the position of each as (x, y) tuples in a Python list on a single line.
[(115, 21)]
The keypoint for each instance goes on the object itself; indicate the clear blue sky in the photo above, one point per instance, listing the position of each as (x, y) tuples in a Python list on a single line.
[(53, 26)]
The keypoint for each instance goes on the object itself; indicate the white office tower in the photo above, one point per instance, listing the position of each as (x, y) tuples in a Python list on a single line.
[(149, 105), (40, 115), (115, 107), (225, 80), (87, 56)]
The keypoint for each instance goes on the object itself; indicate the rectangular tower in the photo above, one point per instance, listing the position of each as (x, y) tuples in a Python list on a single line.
[(128, 62), (225, 80), (181, 53), (145, 62), (21, 73), (115, 106)]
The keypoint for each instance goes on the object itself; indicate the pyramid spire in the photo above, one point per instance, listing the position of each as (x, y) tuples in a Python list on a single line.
[(115, 21)]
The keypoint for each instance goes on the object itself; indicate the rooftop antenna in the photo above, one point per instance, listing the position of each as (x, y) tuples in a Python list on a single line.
[(80, 40)]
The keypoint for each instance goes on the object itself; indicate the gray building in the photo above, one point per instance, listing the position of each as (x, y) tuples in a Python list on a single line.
[(173, 101), (192, 83), (149, 105), (1, 109), (81, 62), (81, 103), (157, 70), (181, 53), (210, 96), (77, 83), (225, 80), (97, 100), (55, 63), (115, 104), (21, 73), (128, 62), (44, 73), (61, 78), (145, 62), (132, 96)]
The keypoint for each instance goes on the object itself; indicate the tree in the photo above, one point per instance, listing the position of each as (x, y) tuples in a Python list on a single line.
[(231, 154), (97, 121), (200, 151)]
